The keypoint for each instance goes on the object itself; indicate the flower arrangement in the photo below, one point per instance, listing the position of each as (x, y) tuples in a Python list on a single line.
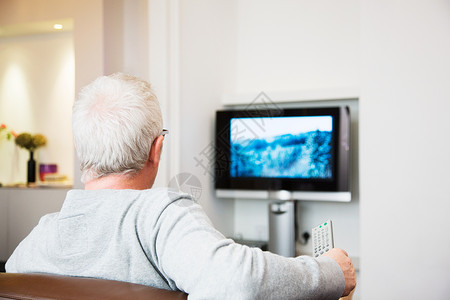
[(30, 142), (6, 133)]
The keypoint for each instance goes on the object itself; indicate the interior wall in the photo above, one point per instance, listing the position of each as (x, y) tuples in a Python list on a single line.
[(404, 149), (126, 36), (207, 71), (36, 94), (297, 45)]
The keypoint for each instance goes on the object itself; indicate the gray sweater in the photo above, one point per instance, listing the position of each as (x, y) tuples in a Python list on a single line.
[(164, 239)]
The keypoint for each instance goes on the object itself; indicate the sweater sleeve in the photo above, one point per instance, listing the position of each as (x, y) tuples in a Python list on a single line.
[(206, 265)]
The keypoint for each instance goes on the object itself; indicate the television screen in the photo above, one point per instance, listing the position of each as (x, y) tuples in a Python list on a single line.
[(301, 149), (281, 147)]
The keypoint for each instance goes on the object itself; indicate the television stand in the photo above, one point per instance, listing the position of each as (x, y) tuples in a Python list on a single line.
[(282, 227)]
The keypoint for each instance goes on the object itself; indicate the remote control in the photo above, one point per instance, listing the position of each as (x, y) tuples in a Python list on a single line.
[(322, 238)]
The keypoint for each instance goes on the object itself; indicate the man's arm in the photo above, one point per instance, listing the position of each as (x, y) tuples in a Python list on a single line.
[(204, 264)]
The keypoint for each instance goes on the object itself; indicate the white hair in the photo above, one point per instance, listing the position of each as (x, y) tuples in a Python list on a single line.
[(115, 120)]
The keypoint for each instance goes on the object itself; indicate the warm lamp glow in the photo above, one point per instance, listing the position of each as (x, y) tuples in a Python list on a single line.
[(58, 26)]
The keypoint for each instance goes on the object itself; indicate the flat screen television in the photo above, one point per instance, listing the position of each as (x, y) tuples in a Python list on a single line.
[(304, 152)]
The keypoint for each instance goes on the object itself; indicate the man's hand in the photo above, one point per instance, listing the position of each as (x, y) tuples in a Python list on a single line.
[(341, 257)]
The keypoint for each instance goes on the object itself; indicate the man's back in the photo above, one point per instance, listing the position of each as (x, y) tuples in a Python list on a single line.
[(108, 234)]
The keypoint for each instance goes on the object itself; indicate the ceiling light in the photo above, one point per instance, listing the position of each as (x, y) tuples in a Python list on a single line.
[(58, 26)]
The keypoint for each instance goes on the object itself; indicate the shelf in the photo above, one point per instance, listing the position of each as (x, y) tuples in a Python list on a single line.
[(339, 93), (36, 186), (285, 195)]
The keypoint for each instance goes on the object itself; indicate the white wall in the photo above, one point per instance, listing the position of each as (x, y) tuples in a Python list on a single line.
[(297, 45), (126, 37), (207, 71), (404, 158)]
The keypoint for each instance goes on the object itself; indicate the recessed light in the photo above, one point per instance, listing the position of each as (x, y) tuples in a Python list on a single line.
[(58, 26)]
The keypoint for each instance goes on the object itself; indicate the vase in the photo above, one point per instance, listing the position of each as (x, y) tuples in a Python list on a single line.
[(31, 170)]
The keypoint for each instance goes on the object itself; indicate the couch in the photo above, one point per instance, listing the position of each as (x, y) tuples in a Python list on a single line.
[(47, 286)]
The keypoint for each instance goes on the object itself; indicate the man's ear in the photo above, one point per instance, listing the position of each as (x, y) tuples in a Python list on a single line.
[(155, 151)]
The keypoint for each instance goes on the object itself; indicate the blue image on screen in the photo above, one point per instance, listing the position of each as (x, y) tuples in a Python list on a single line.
[(281, 147)]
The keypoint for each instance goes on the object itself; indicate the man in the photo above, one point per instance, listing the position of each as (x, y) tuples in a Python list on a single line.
[(119, 228)]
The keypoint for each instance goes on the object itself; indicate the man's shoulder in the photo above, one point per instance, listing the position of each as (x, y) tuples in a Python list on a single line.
[(160, 196), (155, 198), (165, 197), (48, 218), (161, 192)]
